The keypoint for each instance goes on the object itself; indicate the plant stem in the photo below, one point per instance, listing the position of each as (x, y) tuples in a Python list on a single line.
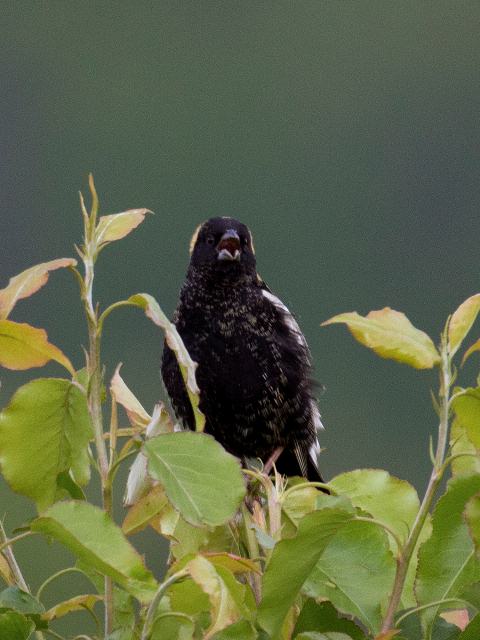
[(7, 542), (118, 462), (13, 565), (147, 627), (95, 405), (253, 551), (404, 557), (94, 367), (11, 561), (95, 394)]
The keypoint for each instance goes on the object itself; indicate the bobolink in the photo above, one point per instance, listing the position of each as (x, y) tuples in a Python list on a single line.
[(254, 369)]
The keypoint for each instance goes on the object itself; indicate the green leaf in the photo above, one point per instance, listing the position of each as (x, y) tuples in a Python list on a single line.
[(141, 514), (235, 564), (121, 634), (241, 630), (391, 335), (296, 504), (458, 618), (388, 499), (447, 561), (324, 617), (172, 626), (467, 409), (226, 595), (124, 607), (443, 630), (93, 538), (472, 518), (118, 225), (409, 598), (28, 282), (460, 443), (14, 626), (330, 635), (471, 594), (291, 563), (187, 597), (188, 539), (21, 601), (71, 488), (175, 342), (229, 561), (200, 478), (124, 610), (44, 432), (391, 501), (462, 321), (361, 592), (23, 347), (472, 631), (411, 629)]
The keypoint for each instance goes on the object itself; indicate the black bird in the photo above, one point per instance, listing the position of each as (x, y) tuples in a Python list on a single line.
[(254, 368)]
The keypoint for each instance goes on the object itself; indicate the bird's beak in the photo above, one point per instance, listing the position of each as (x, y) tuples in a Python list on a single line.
[(229, 246)]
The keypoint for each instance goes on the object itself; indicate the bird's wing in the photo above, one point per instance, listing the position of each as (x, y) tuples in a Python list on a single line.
[(290, 321), (292, 324)]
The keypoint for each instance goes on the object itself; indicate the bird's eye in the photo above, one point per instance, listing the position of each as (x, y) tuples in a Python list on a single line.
[(210, 239), (244, 241)]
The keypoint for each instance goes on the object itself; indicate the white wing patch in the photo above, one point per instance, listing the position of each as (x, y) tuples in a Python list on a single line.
[(314, 450), (317, 421), (289, 319)]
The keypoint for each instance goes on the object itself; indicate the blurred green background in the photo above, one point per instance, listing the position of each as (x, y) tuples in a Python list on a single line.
[(344, 133)]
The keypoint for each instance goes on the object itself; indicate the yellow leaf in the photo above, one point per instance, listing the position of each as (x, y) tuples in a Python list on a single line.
[(232, 562), (462, 321), (221, 591), (471, 349), (28, 282), (175, 342), (391, 335), (137, 415), (118, 225), (142, 512), (78, 603), (5, 572), (23, 346)]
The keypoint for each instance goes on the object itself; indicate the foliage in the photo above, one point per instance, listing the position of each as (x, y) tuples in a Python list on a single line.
[(251, 556)]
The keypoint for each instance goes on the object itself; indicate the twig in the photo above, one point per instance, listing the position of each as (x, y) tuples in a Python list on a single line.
[(10, 558), (9, 541), (404, 557), (147, 627)]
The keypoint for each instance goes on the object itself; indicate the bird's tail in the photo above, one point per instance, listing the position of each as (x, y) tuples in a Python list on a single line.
[(289, 465)]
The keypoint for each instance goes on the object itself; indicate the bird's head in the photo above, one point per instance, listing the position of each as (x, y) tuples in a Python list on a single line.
[(223, 246)]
